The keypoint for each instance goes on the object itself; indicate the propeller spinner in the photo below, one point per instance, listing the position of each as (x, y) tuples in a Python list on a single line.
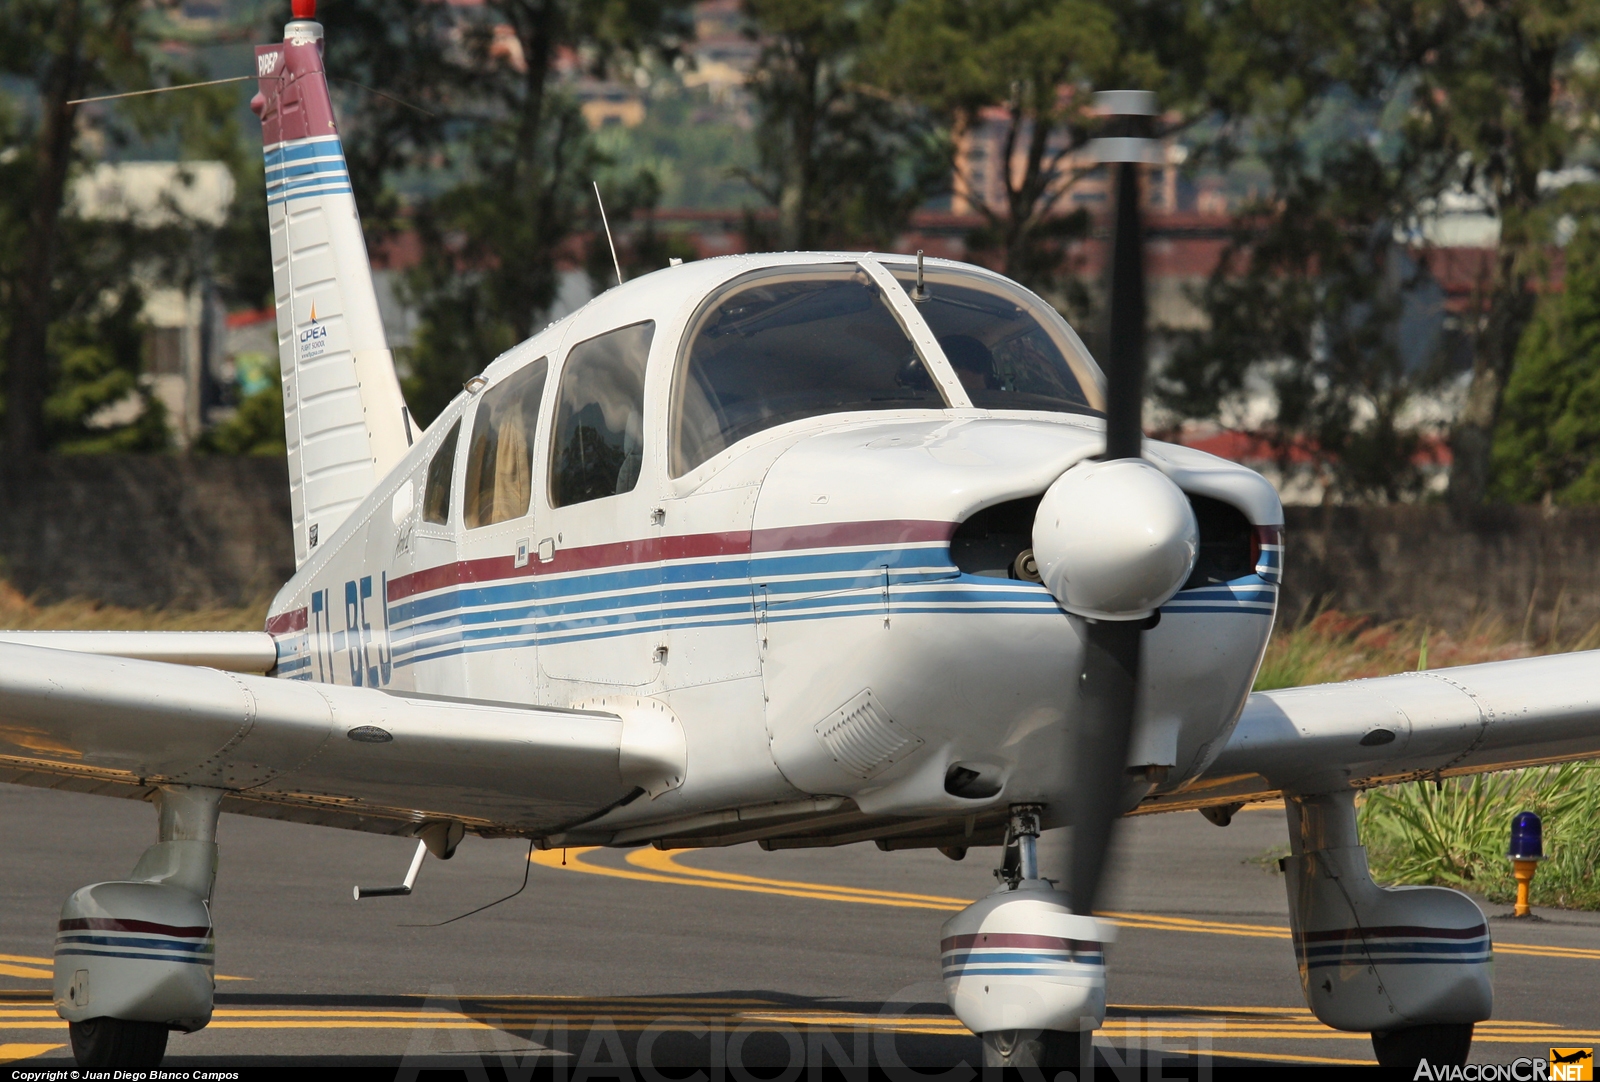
[(1114, 537)]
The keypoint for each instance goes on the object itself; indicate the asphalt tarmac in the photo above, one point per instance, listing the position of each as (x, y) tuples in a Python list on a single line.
[(709, 964)]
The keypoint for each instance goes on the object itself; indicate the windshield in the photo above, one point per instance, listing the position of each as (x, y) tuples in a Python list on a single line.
[(1010, 350), (786, 343)]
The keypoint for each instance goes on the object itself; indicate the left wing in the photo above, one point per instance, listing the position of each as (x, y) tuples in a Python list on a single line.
[(1432, 724), (231, 651), (319, 753)]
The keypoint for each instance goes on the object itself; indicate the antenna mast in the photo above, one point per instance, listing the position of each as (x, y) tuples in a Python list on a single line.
[(603, 221)]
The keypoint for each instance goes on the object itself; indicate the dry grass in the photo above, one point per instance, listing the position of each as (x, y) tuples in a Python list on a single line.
[(18, 613), (1337, 646)]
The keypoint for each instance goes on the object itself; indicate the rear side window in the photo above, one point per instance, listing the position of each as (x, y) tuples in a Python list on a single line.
[(786, 343), (1010, 350), (597, 448), (436, 496), (500, 458)]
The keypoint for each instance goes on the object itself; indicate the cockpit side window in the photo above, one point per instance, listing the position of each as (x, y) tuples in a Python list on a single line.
[(500, 457), (786, 343), (598, 439), (436, 495), (1009, 349)]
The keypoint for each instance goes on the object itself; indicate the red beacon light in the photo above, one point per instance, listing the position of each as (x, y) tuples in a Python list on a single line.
[(1527, 850), (304, 9)]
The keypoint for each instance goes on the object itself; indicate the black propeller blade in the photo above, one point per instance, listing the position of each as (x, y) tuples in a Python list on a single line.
[(1108, 682)]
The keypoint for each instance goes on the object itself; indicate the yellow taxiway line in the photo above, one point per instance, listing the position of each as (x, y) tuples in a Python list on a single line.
[(1227, 1025), (656, 866)]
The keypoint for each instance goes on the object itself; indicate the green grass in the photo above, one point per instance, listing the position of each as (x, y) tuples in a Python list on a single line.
[(1454, 834)]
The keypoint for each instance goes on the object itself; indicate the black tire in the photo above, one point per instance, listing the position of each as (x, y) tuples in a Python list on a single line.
[(1032, 1054), (1400, 1050), (111, 1044)]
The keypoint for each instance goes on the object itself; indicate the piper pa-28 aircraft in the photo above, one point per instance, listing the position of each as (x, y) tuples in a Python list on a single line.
[(802, 549)]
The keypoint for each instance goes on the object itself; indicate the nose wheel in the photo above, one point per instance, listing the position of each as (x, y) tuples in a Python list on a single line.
[(113, 1044), (1047, 1051), (1026, 1051)]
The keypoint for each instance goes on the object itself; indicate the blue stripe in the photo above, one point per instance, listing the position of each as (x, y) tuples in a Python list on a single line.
[(323, 147), (337, 190), (981, 955), (277, 174), (1479, 960), (725, 592), (135, 941), (1005, 971), (311, 180), (190, 959), (1412, 946)]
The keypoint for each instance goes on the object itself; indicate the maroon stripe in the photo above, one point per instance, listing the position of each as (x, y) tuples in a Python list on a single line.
[(653, 549), (113, 924), (1397, 931), (846, 534), (285, 622), (1269, 535), (1012, 939)]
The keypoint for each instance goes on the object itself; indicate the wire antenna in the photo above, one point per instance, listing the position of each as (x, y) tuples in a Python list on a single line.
[(615, 262), (161, 90)]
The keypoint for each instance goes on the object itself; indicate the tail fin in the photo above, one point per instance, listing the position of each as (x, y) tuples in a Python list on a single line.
[(344, 417)]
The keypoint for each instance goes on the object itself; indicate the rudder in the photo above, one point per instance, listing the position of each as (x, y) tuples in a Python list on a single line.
[(345, 420)]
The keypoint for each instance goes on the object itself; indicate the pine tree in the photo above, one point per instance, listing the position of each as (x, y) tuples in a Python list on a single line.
[(1547, 444)]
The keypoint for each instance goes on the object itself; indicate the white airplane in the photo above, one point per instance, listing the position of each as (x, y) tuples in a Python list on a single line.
[(802, 549)]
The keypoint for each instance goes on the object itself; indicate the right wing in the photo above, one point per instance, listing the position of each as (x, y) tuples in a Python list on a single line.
[(319, 753), (1433, 724)]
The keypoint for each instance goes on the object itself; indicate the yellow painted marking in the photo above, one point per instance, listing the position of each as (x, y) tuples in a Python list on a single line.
[(1540, 950), (685, 877), (48, 973), (10, 1053), (1295, 1059), (665, 867), (666, 861), (24, 971), (1158, 922)]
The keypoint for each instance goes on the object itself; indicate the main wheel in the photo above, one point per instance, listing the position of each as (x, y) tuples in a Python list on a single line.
[(111, 1044), (1036, 1053), (1400, 1050)]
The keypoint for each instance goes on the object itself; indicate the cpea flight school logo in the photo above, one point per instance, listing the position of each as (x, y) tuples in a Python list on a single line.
[(313, 339)]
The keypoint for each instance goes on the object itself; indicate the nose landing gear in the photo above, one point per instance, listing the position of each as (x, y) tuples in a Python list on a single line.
[(1022, 970)]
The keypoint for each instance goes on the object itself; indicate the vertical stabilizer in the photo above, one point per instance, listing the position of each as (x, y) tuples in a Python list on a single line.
[(344, 417)]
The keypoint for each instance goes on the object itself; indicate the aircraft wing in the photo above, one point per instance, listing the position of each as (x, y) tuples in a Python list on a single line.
[(338, 756), (232, 651), (1437, 723)]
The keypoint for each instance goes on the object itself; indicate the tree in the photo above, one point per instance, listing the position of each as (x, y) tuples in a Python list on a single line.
[(71, 286), (1484, 98), (520, 158), (1036, 62), (1307, 302), (1547, 440), (841, 162), (67, 48), (1501, 99)]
